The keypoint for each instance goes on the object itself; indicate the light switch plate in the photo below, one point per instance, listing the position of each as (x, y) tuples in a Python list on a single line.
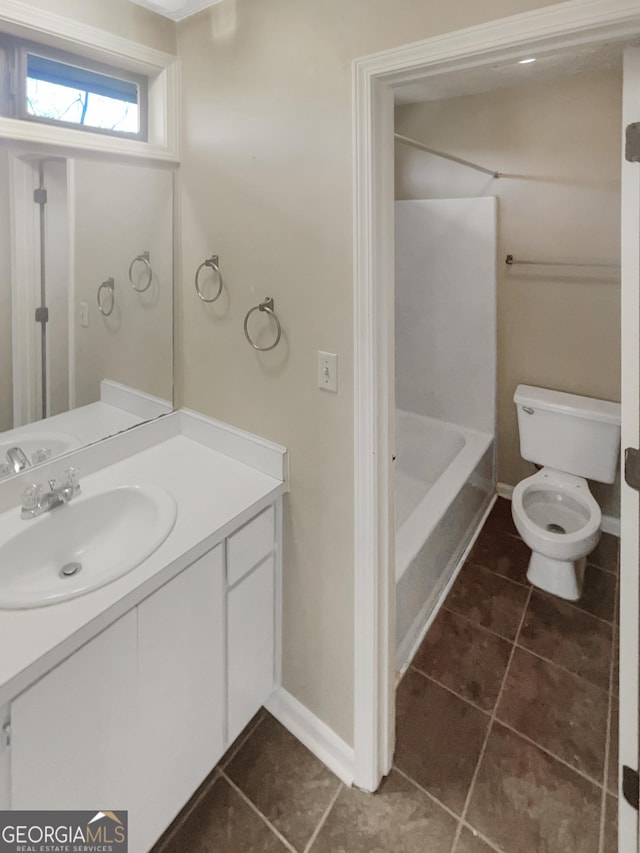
[(328, 371), (84, 314)]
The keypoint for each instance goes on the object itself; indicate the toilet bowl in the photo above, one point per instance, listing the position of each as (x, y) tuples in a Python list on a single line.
[(559, 519)]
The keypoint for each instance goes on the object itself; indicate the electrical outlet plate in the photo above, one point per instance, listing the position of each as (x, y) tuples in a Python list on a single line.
[(328, 371)]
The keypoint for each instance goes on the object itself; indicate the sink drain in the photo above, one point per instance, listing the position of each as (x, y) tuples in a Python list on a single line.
[(555, 528), (70, 570)]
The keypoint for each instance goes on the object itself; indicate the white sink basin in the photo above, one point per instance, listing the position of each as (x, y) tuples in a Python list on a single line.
[(81, 546), (30, 442)]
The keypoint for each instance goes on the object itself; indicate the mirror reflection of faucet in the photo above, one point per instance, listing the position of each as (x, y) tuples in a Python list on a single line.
[(35, 500), (17, 459)]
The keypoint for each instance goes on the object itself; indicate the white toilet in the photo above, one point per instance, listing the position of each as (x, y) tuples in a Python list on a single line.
[(554, 511)]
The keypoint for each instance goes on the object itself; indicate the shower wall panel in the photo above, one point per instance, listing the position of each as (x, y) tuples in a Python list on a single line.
[(446, 310)]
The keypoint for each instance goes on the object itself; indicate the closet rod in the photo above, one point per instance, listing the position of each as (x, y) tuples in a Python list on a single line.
[(406, 140), (511, 261)]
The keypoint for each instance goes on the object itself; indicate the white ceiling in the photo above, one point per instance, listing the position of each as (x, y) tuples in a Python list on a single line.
[(507, 74), (177, 10)]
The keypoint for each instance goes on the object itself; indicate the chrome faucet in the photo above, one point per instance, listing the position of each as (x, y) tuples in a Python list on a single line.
[(17, 459), (35, 500)]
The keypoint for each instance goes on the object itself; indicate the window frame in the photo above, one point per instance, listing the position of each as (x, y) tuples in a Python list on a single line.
[(162, 69), (15, 96)]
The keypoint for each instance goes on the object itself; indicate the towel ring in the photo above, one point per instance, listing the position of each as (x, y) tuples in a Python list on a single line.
[(144, 259), (267, 307), (214, 264), (109, 285)]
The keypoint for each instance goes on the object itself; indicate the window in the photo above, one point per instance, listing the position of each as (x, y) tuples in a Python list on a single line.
[(46, 85)]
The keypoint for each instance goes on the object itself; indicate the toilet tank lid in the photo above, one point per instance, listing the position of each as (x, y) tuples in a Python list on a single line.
[(569, 404)]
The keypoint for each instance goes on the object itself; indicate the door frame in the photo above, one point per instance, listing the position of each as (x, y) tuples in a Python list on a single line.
[(25, 285), (563, 25)]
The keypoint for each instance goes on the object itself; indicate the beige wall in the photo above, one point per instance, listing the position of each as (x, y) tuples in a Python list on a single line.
[(556, 328), (266, 179), (119, 17), (6, 359), (120, 211)]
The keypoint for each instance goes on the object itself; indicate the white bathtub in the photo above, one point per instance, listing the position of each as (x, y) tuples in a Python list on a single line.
[(444, 482)]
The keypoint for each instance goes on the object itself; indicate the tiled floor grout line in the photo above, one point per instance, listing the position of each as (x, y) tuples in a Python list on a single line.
[(450, 690), (548, 752), (257, 811), (431, 796), (185, 814), (240, 741), (323, 819), (476, 624), (563, 668), (447, 809), (571, 604), (524, 648), (496, 718), (476, 832), (463, 819)]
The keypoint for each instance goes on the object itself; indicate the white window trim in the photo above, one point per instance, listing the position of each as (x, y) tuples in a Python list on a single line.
[(163, 70)]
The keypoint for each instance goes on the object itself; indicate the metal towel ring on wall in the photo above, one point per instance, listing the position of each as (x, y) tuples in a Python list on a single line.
[(267, 307), (144, 258), (108, 285), (214, 264)]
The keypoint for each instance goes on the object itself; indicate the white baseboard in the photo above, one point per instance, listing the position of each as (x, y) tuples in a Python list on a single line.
[(610, 524), (504, 491), (317, 736)]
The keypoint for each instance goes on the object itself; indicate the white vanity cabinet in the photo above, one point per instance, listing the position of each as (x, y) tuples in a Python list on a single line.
[(138, 717), (181, 669), (73, 732), (251, 605)]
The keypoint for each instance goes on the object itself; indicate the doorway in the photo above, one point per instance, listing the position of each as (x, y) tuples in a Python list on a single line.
[(563, 27)]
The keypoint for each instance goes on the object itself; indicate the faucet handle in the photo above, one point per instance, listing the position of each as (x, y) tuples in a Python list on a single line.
[(32, 496), (71, 480)]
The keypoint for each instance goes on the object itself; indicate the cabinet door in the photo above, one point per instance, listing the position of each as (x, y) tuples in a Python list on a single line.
[(73, 732), (181, 671), (250, 625)]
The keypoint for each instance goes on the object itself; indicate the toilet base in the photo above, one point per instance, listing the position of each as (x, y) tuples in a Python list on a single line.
[(563, 578)]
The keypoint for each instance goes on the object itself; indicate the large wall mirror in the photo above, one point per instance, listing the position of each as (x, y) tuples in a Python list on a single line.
[(86, 301)]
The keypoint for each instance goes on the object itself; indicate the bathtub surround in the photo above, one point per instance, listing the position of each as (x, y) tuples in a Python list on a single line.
[(445, 378), (557, 142), (444, 481), (445, 310)]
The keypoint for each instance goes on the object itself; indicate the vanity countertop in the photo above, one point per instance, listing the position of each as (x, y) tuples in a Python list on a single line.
[(215, 494)]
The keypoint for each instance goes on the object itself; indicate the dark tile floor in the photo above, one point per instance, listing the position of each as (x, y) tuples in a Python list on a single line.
[(506, 735)]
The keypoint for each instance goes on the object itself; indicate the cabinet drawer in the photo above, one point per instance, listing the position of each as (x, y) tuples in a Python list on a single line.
[(251, 544)]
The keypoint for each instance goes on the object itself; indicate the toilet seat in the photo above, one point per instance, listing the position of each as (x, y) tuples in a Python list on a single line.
[(552, 497)]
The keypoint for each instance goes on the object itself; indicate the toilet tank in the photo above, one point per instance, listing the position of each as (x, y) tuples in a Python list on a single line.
[(578, 435)]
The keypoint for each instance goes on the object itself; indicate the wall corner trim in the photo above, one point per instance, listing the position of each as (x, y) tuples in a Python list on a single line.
[(317, 736)]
